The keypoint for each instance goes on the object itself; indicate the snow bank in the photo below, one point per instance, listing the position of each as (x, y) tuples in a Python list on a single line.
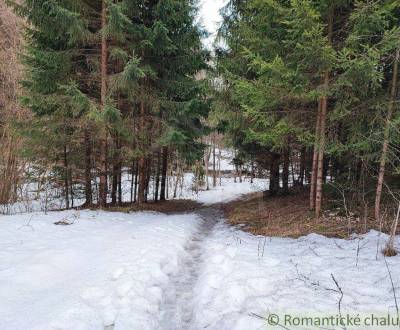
[(104, 269), (247, 277)]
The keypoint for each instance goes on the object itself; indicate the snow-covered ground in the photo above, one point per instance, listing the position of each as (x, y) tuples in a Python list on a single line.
[(191, 271), (247, 278), (103, 269), (228, 191)]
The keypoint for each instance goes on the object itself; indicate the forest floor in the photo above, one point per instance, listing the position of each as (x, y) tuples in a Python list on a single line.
[(193, 270), (176, 206), (290, 216)]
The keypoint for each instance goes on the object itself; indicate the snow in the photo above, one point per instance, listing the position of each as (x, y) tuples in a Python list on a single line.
[(228, 191), (247, 278), (105, 268)]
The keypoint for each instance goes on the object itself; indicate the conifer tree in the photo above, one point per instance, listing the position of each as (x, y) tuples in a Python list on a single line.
[(280, 60), (117, 75)]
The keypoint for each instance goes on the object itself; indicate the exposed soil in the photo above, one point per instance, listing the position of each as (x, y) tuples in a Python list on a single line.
[(289, 216), (168, 207)]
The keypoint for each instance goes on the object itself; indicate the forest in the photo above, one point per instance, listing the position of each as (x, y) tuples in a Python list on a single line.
[(285, 126)]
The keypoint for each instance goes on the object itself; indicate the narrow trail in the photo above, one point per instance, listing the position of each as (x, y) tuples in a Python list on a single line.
[(177, 309)]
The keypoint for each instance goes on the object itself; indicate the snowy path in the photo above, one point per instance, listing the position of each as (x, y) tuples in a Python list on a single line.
[(177, 308)]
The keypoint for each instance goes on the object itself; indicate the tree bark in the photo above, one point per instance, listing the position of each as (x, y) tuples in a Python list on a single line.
[(274, 175), (116, 175), (321, 150), (385, 147), (252, 177), (324, 110), (206, 164), (164, 168), (142, 173), (103, 95), (219, 165), (390, 245), (114, 185), (303, 159), (157, 180), (142, 161), (136, 182), (314, 166), (132, 179), (88, 168), (148, 176), (285, 172), (214, 167), (66, 179), (119, 183)]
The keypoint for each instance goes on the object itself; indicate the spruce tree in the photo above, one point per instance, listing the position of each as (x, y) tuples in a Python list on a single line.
[(118, 76)]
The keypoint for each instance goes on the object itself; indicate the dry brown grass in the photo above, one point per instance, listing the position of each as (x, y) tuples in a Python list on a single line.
[(389, 251), (289, 216)]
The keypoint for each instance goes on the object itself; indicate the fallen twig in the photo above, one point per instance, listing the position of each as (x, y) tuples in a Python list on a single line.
[(341, 294), (393, 288), (28, 224)]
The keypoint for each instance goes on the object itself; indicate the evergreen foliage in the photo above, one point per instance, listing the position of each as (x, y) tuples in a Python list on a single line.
[(152, 98)]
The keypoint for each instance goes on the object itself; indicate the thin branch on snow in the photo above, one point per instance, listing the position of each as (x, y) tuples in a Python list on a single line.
[(341, 294), (393, 287), (28, 224)]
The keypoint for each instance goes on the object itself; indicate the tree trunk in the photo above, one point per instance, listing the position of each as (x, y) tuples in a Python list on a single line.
[(114, 185), (88, 168), (119, 184), (142, 173), (66, 178), (252, 177), (142, 162), (132, 179), (103, 95), (214, 167), (274, 175), (157, 181), (324, 110), (164, 168), (116, 172), (206, 163), (177, 175), (320, 170), (136, 182), (314, 166), (219, 165), (303, 159), (390, 250), (385, 147), (148, 176), (285, 172), (71, 187)]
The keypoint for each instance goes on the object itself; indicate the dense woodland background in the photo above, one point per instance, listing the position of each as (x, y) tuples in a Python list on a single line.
[(305, 93)]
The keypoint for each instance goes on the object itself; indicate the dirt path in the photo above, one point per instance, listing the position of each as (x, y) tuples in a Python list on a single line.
[(177, 309)]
